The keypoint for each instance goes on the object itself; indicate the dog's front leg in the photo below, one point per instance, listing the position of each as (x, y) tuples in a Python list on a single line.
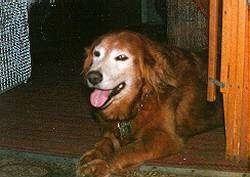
[(151, 146), (106, 146)]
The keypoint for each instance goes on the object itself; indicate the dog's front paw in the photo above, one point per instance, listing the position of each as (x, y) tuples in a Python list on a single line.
[(95, 168), (89, 156)]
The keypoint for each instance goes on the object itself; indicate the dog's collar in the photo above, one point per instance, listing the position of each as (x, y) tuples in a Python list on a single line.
[(125, 129)]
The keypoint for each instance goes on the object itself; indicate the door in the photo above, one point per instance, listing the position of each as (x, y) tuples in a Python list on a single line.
[(234, 75)]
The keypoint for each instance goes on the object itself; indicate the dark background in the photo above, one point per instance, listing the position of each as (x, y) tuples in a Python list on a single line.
[(85, 19)]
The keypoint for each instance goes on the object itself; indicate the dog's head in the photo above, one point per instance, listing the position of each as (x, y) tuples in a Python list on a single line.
[(121, 67)]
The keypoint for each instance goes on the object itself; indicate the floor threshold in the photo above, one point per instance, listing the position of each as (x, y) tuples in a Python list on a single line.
[(185, 171)]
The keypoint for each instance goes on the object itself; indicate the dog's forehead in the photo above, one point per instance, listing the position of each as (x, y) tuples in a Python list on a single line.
[(109, 42), (109, 45)]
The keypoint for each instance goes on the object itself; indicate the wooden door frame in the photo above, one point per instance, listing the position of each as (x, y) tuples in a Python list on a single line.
[(234, 74)]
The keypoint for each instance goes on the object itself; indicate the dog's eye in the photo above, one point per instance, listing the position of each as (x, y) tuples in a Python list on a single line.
[(96, 53), (121, 57)]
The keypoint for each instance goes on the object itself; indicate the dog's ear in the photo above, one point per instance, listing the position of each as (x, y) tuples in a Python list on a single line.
[(155, 66), (87, 61)]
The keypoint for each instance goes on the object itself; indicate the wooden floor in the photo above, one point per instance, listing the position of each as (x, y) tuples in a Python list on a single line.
[(50, 114), (47, 118)]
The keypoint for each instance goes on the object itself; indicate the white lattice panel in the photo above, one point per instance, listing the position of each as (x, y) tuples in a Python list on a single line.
[(15, 59)]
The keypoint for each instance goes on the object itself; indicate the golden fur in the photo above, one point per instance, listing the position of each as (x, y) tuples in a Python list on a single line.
[(166, 104)]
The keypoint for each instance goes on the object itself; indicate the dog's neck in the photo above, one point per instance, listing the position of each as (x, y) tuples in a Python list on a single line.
[(139, 106), (125, 126)]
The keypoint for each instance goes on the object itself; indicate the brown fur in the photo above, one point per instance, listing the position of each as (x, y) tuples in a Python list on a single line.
[(167, 105)]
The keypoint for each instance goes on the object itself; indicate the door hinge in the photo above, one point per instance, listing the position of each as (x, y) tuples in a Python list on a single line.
[(216, 82)]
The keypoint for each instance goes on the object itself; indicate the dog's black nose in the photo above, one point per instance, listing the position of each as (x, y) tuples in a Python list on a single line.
[(94, 77)]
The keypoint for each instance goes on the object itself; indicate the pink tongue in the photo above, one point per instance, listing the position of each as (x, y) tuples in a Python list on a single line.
[(99, 97)]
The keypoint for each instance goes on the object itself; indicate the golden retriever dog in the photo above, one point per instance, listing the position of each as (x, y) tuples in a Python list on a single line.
[(151, 97)]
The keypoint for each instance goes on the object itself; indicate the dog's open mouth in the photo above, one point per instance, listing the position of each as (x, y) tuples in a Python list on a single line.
[(102, 98)]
